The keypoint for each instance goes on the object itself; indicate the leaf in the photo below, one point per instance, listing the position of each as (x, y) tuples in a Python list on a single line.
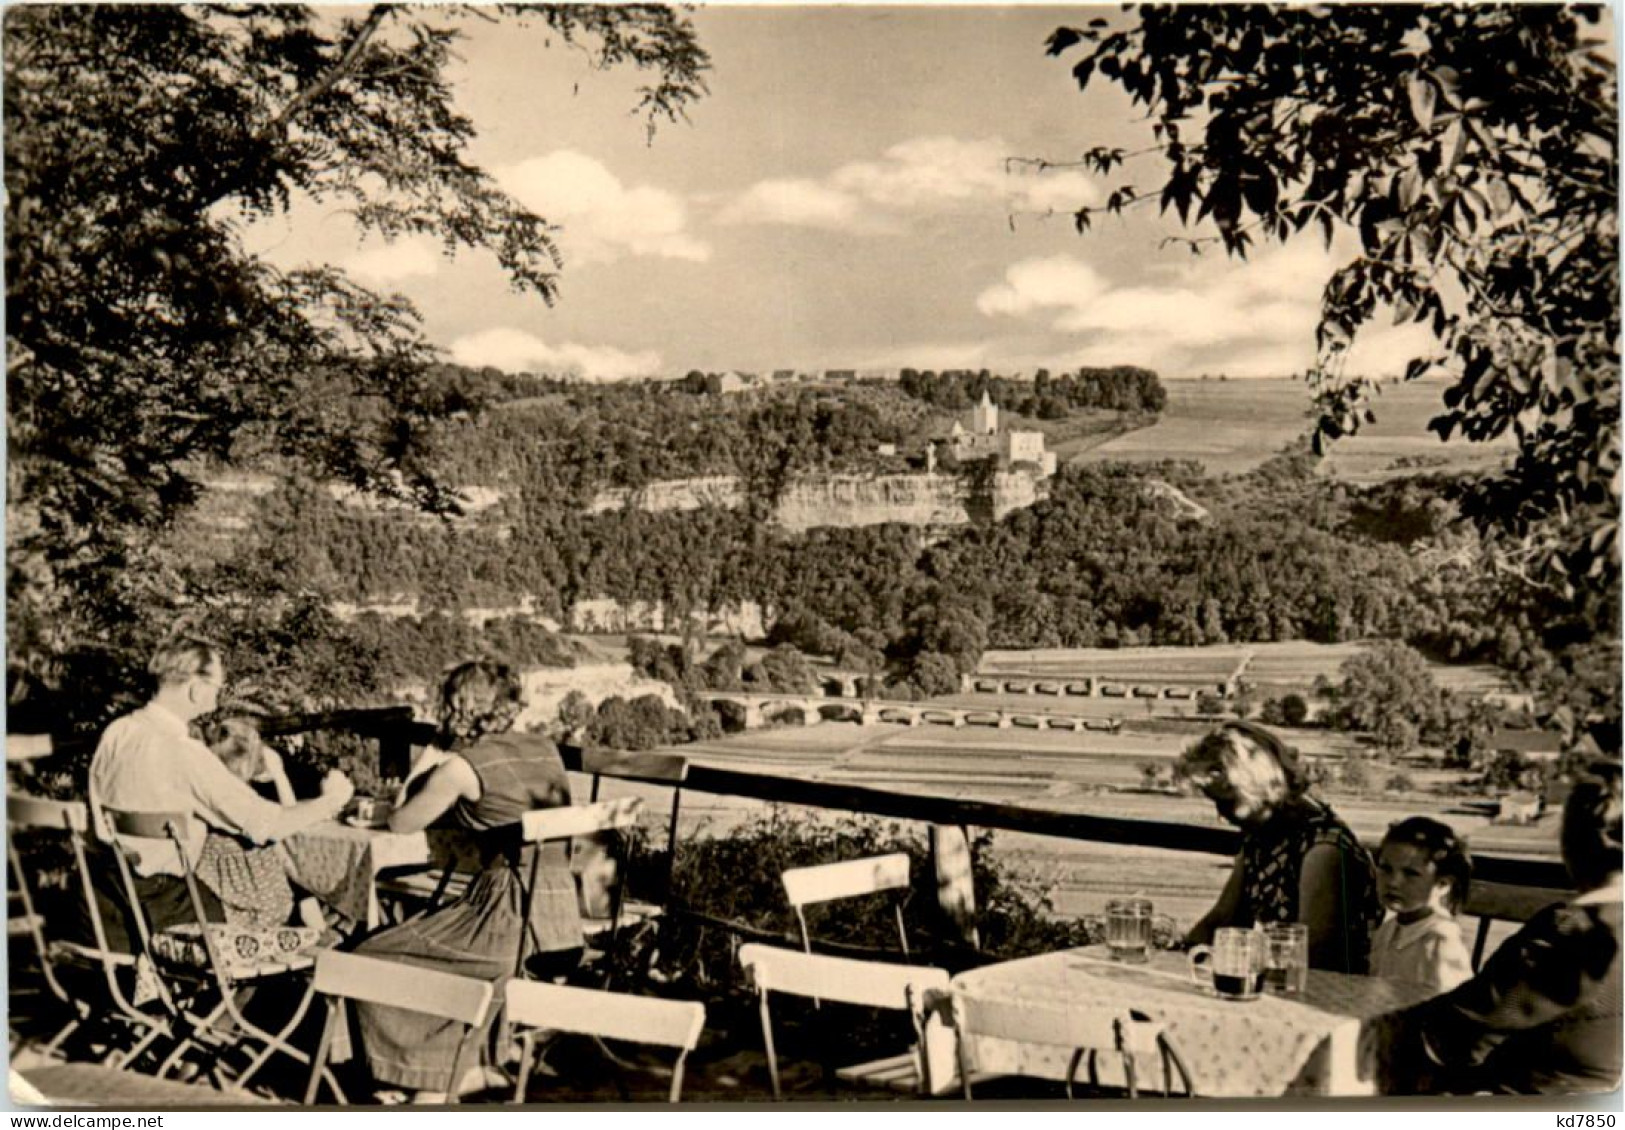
[(1423, 97), (1062, 40), (1083, 72)]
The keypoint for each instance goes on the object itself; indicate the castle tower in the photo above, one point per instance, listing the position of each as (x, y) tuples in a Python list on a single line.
[(984, 418)]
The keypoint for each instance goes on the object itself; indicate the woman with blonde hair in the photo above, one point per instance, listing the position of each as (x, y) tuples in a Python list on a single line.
[(489, 779), (1299, 862)]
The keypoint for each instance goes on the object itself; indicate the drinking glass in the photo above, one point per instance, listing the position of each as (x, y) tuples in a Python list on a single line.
[(1128, 929), (1233, 965), (1286, 956)]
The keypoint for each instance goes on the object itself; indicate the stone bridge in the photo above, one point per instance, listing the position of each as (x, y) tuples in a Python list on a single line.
[(758, 708), (1087, 686)]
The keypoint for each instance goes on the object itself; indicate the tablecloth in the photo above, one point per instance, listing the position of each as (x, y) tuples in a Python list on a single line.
[(340, 864), (1323, 1041)]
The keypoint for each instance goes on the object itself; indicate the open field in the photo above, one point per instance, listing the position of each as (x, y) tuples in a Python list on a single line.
[(1233, 426)]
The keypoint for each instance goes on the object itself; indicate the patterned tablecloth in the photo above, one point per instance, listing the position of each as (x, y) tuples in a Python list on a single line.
[(1324, 1041), (340, 864)]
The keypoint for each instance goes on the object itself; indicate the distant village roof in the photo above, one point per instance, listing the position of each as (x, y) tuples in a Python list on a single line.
[(1526, 741)]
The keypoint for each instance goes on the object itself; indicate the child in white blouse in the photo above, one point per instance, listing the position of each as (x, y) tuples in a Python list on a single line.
[(1422, 875)]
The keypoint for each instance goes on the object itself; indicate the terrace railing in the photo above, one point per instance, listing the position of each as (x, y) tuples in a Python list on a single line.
[(1503, 887)]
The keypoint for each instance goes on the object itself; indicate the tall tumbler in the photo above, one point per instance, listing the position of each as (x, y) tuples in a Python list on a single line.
[(1128, 929)]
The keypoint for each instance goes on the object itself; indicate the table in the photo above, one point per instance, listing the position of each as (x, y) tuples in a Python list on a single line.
[(340, 864), (1323, 1042)]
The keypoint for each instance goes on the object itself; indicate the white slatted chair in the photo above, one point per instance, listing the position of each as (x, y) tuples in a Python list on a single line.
[(1085, 1033), (344, 977), (71, 820), (851, 878), (544, 825), (924, 1069), (603, 1016), (208, 995), (667, 769)]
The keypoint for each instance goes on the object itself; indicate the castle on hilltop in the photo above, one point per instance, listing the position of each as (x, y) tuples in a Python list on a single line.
[(978, 436)]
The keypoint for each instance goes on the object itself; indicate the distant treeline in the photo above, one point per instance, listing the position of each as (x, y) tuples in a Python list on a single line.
[(1122, 388)]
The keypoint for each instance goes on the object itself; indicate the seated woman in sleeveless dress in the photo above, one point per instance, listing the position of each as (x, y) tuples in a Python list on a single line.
[(1298, 861), (490, 779)]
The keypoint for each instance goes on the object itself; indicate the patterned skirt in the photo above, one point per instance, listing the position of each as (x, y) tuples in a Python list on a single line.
[(252, 883)]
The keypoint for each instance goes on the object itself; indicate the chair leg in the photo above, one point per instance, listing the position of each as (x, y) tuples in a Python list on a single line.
[(318, 1063), (675, 1095), (1128, 1075), (527, 1048), (273, 1043), (767, 1042)]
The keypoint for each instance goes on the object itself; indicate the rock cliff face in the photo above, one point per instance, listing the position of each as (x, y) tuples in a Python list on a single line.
[(839, 500)]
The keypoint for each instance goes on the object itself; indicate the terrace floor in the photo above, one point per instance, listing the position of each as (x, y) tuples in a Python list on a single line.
[(728, 1067)]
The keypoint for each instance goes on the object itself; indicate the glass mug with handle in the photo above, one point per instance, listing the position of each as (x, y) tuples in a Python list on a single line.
[(1233, 966)]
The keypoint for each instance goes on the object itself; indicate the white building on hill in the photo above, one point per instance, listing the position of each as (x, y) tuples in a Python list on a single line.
[(979, 436)]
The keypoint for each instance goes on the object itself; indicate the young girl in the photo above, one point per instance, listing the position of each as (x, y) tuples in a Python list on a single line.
[(251, 882), (1422, 876)]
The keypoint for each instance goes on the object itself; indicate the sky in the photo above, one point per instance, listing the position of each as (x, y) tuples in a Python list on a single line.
[(855, 191)]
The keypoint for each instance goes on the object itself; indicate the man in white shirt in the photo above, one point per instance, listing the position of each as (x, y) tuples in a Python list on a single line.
[(147, 761)]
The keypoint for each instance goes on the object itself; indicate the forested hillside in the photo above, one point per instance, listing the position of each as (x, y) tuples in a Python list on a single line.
[(1276, 554)]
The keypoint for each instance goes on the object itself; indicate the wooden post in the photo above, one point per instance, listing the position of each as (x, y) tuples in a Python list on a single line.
[(956, 889), (395, 750)]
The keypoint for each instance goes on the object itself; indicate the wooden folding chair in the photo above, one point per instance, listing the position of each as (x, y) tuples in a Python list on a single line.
[(869, 983), (1085, 1032), (71, 821), (344, 977), (668, 769), (603, 1016), (207, 993), (542, 825), (850, 878)]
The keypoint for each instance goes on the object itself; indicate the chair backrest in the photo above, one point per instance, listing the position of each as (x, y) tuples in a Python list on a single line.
[(847, 879), (28, 747), (1501, 902), (610, 1016), (72, 819), (579, 820), (55, 815), (149, 825), (372, 980), (872, 983)]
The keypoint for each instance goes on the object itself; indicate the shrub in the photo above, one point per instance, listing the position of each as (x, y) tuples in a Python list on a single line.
[(1399, 783), (734, 879), (1354, 774)]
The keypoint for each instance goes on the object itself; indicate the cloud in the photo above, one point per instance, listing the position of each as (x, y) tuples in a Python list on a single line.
[(402, 259), (602, 219), (921, 176), (1215, 315), (796, 203), (518, 350)]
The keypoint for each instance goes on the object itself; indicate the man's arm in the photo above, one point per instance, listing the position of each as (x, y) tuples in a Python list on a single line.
[(230, 804)]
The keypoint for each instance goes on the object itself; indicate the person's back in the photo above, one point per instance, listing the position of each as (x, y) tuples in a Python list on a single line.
[(1562, 969), (1543, 1014)]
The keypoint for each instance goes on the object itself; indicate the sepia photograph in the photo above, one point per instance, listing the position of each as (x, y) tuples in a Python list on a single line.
[(799, 557)]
